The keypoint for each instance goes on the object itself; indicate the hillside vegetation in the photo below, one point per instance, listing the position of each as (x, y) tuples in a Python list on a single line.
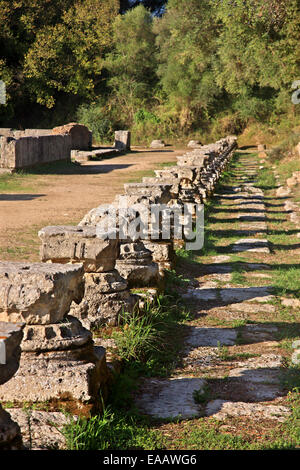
[(202, 68)]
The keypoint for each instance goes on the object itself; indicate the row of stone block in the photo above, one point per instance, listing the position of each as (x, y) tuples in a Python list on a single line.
[(85, 278), (23, 149), (102, 244)]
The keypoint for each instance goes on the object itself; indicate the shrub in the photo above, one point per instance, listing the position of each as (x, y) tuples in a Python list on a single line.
[(94, 118)]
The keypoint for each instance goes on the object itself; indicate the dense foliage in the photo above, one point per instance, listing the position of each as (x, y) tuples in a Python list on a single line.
[(167, 68)]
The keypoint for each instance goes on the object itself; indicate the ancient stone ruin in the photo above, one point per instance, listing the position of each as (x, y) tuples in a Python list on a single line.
[(86, 274), (23, 149), (58, 356)]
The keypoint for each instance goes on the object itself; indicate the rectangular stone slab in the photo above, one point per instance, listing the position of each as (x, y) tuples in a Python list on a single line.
[(38, 293), (68, 244)]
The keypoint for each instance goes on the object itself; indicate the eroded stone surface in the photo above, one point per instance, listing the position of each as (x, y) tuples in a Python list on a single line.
[(41, 430), (239, 294), (77, 374), (209, 336), (223, 409), (78, 244), (62, 336), (38, 293), (170, 398)]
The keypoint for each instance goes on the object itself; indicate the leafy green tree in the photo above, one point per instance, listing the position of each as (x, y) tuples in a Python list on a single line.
[(186, 36), (68, 56), (132, 64), (258, 56)]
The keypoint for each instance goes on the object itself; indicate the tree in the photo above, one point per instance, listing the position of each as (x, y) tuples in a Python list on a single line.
[(155, 6), (186, 36), (68, 56), (258, 55), (132, 64)]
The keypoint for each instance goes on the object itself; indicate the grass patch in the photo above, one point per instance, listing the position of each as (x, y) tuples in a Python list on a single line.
[(110, 431), (16, 182), (151, 339), (287, 281), (224, 354), (266, 179)]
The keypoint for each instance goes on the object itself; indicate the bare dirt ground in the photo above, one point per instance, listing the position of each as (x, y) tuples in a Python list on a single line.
[(62, 194)]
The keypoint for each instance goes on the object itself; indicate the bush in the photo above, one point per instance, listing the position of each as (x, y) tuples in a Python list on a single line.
[(93, 116)]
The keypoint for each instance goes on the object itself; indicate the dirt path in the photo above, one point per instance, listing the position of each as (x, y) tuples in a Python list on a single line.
[(235, 368), (63, 193)]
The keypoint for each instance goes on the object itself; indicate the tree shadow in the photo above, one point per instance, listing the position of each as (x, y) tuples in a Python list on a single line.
[(20, 197)]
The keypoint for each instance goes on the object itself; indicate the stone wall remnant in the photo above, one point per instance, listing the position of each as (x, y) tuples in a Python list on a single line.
[(81, 137), (122, 140)]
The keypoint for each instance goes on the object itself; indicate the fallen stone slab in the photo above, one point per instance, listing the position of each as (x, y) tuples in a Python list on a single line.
[(170, 398), (283, 192), (223, 409), (251, 307), (241, 294), (194, 144), (213, 337), (251, 245), (38, 293), (293, 303), (259, 378), (259, 333), (202, 294), (82, 156)]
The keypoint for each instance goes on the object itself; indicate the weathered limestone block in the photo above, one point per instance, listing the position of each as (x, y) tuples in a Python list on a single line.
[(194, 144), (79, 244), (66, 335), (27, 151), (6, 132), (81, 137), (191, 159), (38, 293), (136, 266), (11, 337), (175, 182), (162, 253), (176, 172), (157, 144), (160, 191), (96, 215), (122, 140), (75, 374), (106, 297)]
